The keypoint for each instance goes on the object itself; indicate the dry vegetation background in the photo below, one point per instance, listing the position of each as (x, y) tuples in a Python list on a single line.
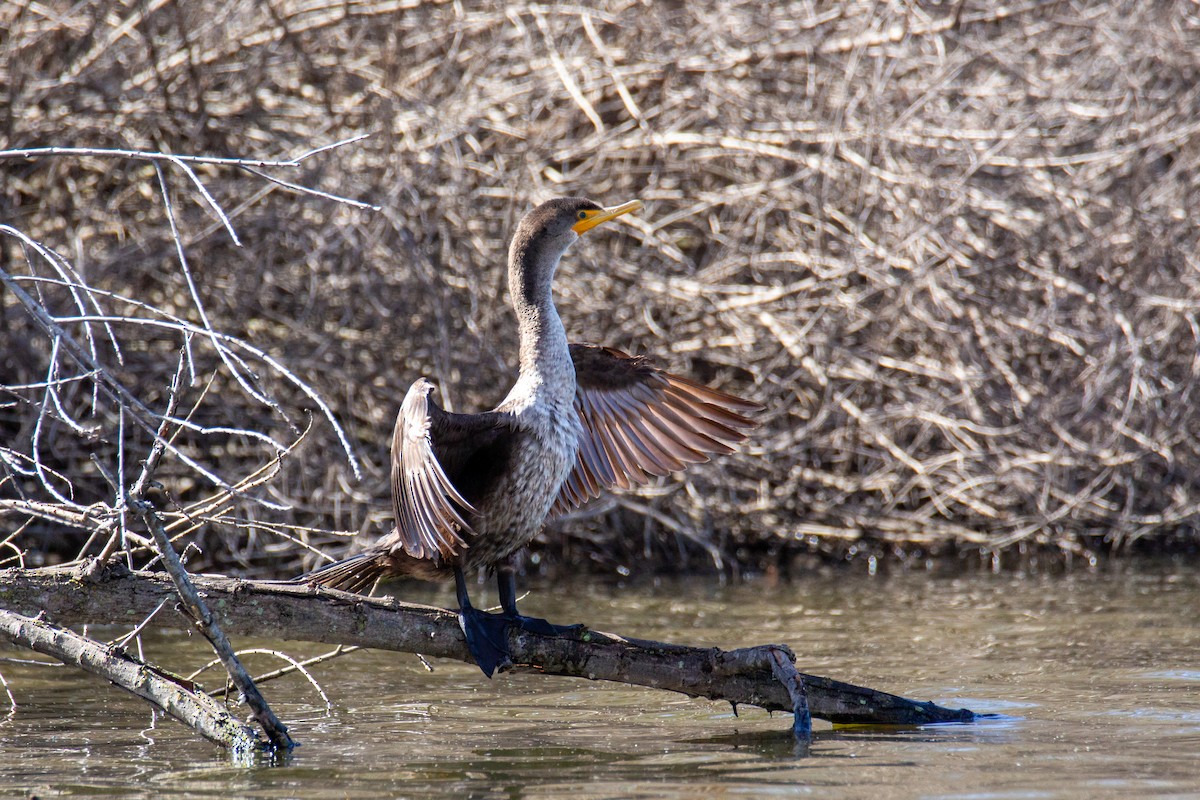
[(953, 250)]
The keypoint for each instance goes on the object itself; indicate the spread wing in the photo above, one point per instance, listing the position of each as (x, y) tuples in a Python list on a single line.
[(428, 507), (639, 421)]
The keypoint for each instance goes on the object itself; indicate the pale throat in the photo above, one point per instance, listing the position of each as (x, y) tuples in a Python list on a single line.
[(547, 372)]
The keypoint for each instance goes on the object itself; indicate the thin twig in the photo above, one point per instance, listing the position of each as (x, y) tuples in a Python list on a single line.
[(145, 155), (293, 666)]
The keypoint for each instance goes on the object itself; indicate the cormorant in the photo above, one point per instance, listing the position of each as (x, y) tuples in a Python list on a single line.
[(470, 490)]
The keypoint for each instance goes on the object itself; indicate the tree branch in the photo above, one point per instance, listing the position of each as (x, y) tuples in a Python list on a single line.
[(112, 594), (170, 693)]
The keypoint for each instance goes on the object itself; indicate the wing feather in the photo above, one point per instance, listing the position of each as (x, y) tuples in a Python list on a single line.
[(638, 422), (428, 508)]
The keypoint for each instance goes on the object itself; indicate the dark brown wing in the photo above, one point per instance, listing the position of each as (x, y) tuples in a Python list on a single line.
[(639, 422), (427, 443)]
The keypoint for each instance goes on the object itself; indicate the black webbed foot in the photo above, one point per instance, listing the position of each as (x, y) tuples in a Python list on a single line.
[(543, 628), (487, 639), (487, 634), (507, 584)]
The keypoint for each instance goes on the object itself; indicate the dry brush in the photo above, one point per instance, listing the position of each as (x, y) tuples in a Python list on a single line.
[(951, 248)]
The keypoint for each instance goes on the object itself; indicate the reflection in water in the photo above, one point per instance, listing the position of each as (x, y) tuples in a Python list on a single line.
[(1092, 679)]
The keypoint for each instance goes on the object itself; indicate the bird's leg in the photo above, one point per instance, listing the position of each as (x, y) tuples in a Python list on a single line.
[(487, 634), (506, 581)]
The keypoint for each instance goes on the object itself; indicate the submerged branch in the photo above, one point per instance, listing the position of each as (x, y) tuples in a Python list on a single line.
[(172, 694), (114, 595)]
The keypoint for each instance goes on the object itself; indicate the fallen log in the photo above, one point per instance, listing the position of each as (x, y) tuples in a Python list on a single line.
[(112, 594)]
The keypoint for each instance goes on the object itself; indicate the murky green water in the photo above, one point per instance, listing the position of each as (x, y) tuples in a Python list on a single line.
[(1098, 675)]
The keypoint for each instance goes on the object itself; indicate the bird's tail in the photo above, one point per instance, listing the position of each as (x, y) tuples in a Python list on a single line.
[(357, 573)]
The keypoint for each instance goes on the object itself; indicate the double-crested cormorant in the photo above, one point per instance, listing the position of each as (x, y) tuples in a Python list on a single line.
[(470, 490)]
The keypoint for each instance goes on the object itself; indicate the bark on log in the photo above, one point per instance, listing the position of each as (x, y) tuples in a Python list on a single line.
[(111, 594)]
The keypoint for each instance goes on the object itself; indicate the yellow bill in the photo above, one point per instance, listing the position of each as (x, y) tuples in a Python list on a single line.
[(594, 218)]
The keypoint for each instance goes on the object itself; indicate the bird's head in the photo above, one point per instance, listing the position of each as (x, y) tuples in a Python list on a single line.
[(546, 232)]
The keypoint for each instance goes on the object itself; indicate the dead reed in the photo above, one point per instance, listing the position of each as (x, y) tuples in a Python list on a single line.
[(952, 248)]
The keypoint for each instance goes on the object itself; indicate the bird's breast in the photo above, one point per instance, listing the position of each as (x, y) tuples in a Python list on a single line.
[(544, 452), (545, 456)]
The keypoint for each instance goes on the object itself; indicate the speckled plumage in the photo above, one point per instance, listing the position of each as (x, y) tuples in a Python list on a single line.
[(540, 407)]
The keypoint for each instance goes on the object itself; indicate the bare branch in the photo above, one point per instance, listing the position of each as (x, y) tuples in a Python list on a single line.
[(169, 693), (146, 155)]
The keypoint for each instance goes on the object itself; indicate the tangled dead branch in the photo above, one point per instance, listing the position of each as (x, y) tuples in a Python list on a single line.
[(952, 248)]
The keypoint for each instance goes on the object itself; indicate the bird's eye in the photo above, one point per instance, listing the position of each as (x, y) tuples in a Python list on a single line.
[(583, 215)]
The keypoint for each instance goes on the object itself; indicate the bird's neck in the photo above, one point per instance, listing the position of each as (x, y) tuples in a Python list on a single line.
[(546, 367), (544, 352)]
